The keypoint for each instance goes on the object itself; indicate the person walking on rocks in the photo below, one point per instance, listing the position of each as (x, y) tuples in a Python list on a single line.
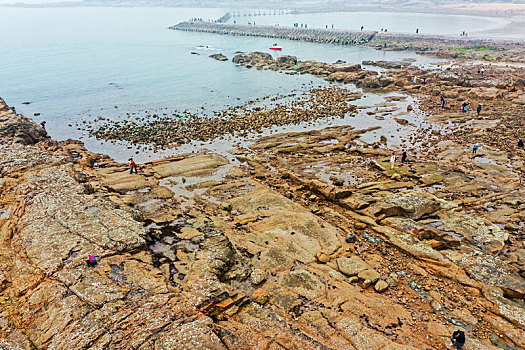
[(442, 102), (132, 166), (464, 107), (43, 124), (520, 144), (392, 161), (475, 148), (458, 339), (478, 110)]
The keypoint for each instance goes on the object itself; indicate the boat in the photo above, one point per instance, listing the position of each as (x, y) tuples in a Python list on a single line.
[(276, 47)]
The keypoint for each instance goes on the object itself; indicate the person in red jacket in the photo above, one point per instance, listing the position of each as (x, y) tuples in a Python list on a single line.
[(132, 166)]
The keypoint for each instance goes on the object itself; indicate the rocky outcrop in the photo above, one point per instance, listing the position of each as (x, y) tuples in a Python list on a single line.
[(251, 58), (219, 57), (16, 128), (307, 240)]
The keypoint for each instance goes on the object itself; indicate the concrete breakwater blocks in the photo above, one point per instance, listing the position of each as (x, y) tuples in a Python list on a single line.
[(339, 36), (343, 37)]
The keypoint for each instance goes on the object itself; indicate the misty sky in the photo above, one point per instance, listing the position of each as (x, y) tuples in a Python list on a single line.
[(33, 1)]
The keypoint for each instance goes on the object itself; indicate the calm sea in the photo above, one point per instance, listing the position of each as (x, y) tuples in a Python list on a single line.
[(80, 63), (392, 21)]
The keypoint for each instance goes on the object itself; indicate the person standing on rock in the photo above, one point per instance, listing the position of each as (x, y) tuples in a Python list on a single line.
[(475, 148), (458, 339), (392, 161), (478, 110), (132, 166), (520, 144), (404, 157), (43, 124), (442, 102)]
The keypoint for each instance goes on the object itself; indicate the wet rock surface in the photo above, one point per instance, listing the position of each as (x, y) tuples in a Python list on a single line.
[(170, 131), (219, 57), (272, 250)]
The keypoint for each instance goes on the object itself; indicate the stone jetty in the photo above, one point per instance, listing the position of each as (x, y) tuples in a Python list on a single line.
[(344, 37), (439, 45)]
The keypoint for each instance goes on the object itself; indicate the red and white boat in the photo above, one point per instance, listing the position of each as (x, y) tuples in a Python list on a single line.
[(276, 47)]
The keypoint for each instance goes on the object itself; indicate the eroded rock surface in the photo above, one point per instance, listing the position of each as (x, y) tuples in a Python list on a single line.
[(313, 242)]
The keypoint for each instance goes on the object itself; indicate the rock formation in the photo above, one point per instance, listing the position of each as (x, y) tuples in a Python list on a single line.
[(307, 240)]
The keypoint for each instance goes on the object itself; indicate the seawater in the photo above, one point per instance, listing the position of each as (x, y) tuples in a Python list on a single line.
[(81, 63), (433, 24)]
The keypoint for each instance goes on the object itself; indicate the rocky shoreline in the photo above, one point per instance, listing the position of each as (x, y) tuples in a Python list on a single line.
[(306, 240)]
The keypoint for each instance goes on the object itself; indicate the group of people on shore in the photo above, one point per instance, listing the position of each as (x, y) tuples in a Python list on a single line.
[(464, 106), (404, 159)]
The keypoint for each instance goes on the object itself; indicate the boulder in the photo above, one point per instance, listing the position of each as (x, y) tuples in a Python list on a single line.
[(351, 266), (252, 58), (381, 286), (343, 67), (287, 60), (375, 82), (219, 57), (411, 204), (322, 256), (261, 296), (257, 276), (369, 274), (350, 238)]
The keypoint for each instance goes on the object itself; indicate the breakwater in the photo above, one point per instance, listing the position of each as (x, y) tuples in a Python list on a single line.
[(344, 37), (442, 45)]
